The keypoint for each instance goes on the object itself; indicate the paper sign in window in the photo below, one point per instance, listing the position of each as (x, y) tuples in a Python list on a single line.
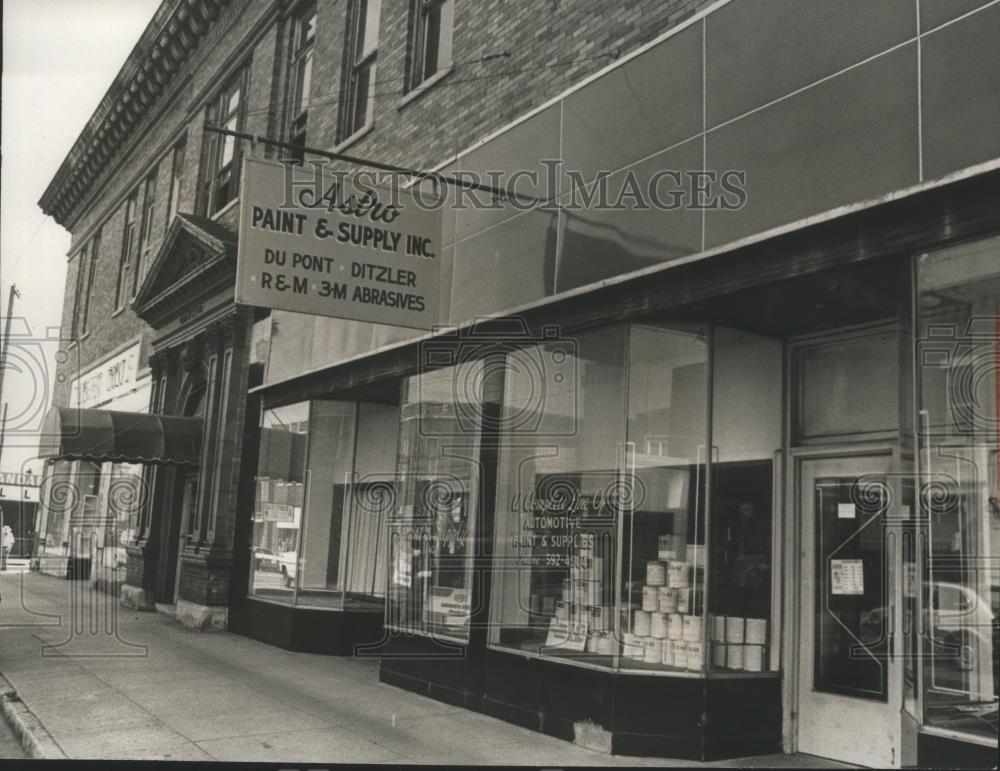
[(847, 577), (846, 511)]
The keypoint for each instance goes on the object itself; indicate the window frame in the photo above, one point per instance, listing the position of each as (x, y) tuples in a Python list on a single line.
[(129, 243), (358, 60), (178, 155), (219, 175), (88, 298), (302, 47), (145, 226), (84, 264), (423, 12)]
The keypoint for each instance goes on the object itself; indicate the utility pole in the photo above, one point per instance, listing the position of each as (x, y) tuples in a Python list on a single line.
[(4, 345)]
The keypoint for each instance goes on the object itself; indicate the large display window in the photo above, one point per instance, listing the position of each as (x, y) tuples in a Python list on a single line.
[(431, 535), (958, 431), (324, 494), (637, 458)]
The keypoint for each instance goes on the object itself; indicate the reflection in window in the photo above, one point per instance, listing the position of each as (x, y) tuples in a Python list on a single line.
[(606, 453), (558, 492), (662, 599), (959, 320), (125, 495), (277, 515), (57, 494), (431, 548), (325, 491)]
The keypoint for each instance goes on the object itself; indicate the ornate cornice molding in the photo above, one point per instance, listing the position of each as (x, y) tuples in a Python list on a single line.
[(163, 52)]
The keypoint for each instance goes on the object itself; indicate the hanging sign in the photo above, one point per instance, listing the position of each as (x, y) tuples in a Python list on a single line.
[(328, 245), (847, 577)]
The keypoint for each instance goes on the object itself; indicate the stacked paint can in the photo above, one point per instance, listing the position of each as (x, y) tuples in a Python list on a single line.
[(739, 643)]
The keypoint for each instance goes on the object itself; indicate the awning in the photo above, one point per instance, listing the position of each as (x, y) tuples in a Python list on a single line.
[(120, 437)]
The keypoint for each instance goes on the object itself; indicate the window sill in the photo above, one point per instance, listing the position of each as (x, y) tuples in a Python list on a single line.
[(355, 137), (415, 93)]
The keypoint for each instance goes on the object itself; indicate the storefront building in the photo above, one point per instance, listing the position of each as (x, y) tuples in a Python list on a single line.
[(702, 468), (90, 505), (699, 481)]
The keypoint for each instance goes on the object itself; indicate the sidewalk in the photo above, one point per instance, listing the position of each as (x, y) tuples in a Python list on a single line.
[(160, 691)]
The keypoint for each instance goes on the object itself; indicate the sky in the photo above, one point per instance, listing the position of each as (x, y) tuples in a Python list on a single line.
[(59, 58)]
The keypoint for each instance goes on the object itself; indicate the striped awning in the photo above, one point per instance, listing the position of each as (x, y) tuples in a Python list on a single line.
[(120, 437)]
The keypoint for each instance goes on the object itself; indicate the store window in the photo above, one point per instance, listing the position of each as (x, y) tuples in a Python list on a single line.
[(558, 493), (431, 42), (327, 502), (125, 495), (325, 490), (432, 530), (59, 498), (361, 49), (746, 439), (277, 516), (958, 437), (603, 502)]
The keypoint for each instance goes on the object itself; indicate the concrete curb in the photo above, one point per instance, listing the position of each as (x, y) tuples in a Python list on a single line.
[(34, 737)]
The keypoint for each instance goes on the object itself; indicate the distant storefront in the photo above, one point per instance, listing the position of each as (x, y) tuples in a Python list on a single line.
[(90, 506), (19, 508)]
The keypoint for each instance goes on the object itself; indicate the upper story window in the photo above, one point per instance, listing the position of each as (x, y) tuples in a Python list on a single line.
[(88, 291), (84, 286), (362, 49), (176, 178), (145, 230), (430, 50), (304, 35), (129, 242), (222, 168)]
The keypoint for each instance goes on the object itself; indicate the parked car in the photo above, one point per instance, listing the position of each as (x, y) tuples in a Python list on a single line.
[(264, 559), (961, 623)]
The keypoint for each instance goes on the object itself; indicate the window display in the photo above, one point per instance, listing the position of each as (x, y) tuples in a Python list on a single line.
[(958, 436), (663, 521), (602, 503), (558, 492), (431, 532)]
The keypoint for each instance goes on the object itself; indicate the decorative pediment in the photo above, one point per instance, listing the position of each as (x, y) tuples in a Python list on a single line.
[(195, 253)]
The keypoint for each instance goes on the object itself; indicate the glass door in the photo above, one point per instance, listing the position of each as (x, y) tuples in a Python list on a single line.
[(847, 683)]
